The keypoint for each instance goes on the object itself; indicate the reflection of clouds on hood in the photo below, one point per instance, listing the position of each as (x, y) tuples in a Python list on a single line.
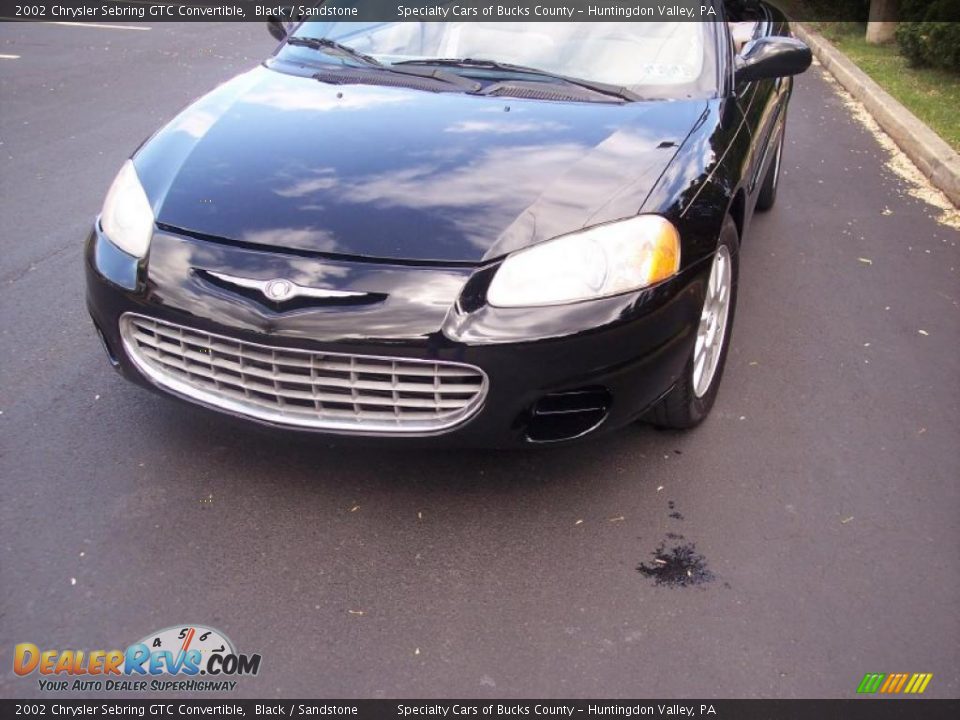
[(322, 179), (320, 98), (195, 123), (428, 289), (315, 276), (178, 258), (503, 128), (547, 189), (309, 238), (474, 195), (497, 176), (197, 119)]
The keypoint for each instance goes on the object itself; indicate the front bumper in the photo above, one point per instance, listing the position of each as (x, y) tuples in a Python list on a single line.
[(618, 355)]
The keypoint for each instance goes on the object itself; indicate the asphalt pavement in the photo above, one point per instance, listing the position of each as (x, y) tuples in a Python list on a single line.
[(817, 509)]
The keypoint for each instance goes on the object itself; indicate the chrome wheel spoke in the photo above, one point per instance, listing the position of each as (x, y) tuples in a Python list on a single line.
[(699, 364), (713, 323)]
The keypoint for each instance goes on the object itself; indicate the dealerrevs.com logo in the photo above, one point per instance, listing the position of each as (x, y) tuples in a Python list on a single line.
[(182, 658)]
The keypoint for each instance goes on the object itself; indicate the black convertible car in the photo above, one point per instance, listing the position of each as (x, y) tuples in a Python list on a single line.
[(480, 233)]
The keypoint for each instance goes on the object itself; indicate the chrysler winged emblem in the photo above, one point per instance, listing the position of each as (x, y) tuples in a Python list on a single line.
[(280, 289)]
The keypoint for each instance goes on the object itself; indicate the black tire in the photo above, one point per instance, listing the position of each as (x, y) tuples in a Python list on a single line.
[(682, 408), (768, 191)]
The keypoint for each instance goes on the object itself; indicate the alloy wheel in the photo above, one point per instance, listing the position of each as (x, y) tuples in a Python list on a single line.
[(713, 323)]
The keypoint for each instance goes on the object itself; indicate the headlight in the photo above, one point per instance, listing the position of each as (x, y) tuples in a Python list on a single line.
[(126, 217), (594, 263)]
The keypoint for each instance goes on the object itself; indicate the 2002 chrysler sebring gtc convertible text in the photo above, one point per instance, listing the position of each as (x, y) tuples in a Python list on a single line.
[(486, 233)]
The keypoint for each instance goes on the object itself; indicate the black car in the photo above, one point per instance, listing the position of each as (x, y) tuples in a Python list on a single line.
[(480, 233)]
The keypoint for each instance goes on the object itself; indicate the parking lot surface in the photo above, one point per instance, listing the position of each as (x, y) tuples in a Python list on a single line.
[(816, 510)]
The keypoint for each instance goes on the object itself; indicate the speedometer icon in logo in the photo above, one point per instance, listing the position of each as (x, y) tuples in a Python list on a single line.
[(180, 639)]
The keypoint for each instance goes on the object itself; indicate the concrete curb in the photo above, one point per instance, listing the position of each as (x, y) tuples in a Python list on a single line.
[(928, 151)]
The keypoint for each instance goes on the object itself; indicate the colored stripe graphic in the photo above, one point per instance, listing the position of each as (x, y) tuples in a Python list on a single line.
[(894, 683), (870, 683), (918, 683)]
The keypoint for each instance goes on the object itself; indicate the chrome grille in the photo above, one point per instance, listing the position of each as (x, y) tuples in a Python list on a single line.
[(319, 390)]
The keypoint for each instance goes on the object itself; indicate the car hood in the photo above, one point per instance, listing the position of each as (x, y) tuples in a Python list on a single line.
[(285, 161)]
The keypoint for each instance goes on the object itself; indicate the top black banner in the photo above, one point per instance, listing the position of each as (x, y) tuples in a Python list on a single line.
[(100, 11)]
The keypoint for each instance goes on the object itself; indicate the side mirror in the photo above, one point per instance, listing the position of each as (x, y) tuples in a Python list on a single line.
[(772, 57), (276, 28)]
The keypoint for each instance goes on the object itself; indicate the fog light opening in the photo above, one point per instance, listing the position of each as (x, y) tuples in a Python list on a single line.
[(568, 415)]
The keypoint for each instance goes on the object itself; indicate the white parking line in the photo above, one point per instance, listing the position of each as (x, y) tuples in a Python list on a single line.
[(9, 57), (104, 27)]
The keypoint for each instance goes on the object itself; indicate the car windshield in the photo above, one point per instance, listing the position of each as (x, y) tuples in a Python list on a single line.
[(653, 59)]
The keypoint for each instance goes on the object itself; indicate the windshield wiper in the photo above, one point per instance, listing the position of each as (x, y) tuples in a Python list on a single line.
[(340, 50), (604, 88), (334, 48)]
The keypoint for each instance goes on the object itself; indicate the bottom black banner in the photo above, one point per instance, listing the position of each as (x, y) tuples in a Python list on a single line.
[(858, 709)]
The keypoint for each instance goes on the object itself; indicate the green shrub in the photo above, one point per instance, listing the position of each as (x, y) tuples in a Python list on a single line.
[(928, 34), (912, 41), (930, 43)]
